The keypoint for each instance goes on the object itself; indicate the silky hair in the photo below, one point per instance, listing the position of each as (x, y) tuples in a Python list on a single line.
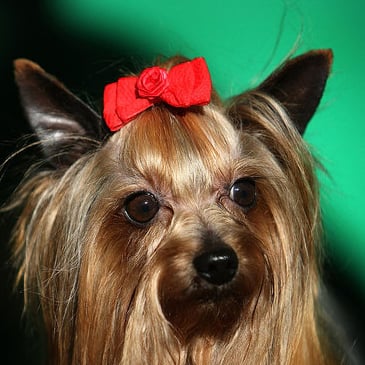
[(109, 290)]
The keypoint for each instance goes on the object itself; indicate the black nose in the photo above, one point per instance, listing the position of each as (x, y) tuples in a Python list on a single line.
[(217, 266)]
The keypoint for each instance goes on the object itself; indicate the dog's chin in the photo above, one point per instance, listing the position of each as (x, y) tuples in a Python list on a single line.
[(206, 310)]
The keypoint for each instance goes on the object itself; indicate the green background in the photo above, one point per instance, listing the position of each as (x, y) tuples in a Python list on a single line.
[(243, 41)]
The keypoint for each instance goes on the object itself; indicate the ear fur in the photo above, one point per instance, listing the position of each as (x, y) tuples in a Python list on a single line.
[(298, 85), (65, 125)]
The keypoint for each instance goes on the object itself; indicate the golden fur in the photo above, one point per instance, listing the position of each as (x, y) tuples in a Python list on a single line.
[(111, 292)]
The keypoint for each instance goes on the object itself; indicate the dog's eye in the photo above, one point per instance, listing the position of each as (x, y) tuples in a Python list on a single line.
[(141, 207), (243, 192)]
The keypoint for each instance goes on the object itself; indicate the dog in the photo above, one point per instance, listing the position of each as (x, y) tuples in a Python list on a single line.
[(174, 227)]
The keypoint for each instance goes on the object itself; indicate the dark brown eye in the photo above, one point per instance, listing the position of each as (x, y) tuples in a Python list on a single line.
[(141, 207), (243, 192)]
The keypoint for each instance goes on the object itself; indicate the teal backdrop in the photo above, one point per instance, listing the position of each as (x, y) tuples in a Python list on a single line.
[(243, 41)]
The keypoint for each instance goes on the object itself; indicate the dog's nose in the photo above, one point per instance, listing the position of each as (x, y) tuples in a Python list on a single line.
[(217, 266)]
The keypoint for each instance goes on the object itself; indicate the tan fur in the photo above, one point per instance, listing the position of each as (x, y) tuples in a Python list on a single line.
[(114, 293)]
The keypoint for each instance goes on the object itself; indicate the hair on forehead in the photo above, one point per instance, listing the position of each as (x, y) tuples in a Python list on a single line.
[(192, 141)]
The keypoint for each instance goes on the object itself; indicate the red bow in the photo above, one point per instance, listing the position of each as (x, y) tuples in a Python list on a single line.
[(184, 85)]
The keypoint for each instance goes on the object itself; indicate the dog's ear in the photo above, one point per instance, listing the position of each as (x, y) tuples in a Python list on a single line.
[(65, 125), (298, 85)]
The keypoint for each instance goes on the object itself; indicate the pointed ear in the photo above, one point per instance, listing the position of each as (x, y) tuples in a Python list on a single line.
[(299, 84), (66, 126)]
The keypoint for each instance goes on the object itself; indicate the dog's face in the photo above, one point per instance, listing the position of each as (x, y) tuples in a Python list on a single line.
[(184, 230), (187, 193)]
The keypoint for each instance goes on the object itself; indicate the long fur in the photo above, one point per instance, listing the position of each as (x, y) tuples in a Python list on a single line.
[(113, 293)]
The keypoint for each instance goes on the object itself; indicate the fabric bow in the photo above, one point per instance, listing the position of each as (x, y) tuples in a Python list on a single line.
[(184, 85)]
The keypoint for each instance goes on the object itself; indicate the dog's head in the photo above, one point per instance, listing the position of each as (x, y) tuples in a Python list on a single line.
[(185, 224)]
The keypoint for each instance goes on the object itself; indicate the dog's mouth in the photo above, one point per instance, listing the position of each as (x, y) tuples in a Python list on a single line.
[(204, 308)]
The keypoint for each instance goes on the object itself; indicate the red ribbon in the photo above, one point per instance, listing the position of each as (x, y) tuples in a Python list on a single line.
[(184, 85)]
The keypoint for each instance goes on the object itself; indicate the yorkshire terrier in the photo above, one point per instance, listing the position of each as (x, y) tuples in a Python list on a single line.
[(175, 228)]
